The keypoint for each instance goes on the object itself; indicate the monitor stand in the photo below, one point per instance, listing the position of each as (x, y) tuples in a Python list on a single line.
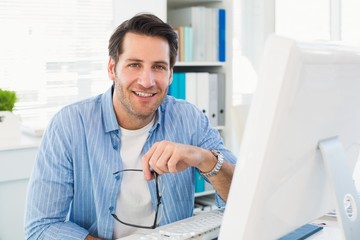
[(346, 196)]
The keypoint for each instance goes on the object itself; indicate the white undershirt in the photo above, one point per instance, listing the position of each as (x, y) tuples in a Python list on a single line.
[(134, 200)]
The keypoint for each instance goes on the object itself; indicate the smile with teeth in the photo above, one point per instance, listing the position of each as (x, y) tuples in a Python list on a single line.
[(142, 94)]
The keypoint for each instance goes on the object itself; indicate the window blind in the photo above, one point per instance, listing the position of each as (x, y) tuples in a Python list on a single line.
[(53, 53), (309, 20)]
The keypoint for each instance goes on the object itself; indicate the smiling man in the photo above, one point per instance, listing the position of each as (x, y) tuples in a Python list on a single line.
[(126, 159), (141, 76)]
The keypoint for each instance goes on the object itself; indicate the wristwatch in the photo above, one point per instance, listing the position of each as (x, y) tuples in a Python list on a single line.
[(216, 169)]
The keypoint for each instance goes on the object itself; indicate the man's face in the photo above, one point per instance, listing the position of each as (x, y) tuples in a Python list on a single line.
[(142, 76)]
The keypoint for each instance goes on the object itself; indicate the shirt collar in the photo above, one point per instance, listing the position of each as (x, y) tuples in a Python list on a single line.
[(108, 113), (159, 118), (109, 117)]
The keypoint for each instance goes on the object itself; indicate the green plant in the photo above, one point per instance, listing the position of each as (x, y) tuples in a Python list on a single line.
[(7, 100)]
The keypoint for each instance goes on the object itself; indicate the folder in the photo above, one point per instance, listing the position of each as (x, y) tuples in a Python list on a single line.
[(221, 99), (213, 31), (222, 35), (199, 182), (177, 87), (191, 87), (172, 88), (213, 99), (203, 92), (181, 86)]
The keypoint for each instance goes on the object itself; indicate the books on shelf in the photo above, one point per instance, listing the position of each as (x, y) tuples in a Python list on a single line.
[(202, 33), (185, 37), (203, 89)]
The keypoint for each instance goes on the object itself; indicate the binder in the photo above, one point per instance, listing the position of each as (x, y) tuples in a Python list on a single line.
[(191, 87), (213, 31), (172, 87), (222, 35), (203, 92), (199, 182), (221, 99), (181, 85), (177, 87), (213, 99)]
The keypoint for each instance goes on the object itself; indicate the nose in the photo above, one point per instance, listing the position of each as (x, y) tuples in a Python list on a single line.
[(147, 78)]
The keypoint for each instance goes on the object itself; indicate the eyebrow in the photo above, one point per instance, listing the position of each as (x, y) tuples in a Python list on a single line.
[(139, 60)]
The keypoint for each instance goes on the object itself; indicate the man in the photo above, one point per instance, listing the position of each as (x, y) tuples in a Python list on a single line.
[(84, 185)]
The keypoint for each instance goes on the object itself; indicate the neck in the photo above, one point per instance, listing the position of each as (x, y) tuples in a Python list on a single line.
[(133, 123), (130, 121)]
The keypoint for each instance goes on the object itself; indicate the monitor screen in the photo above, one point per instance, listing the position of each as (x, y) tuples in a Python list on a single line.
[(307, 92)]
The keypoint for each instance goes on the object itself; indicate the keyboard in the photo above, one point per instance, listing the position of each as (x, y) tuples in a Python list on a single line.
[(203, 226)]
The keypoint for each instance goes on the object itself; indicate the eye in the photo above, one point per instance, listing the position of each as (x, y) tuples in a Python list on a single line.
[(134, 65), (160, 67)]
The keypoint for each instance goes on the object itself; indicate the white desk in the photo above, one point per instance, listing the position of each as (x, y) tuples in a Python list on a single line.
[(16, 162), (330, 231)]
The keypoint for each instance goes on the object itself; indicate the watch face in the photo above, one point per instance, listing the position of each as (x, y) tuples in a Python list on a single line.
[(215, 152)]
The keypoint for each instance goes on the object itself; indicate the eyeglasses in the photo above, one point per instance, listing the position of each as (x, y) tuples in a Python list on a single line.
[(158, 205)]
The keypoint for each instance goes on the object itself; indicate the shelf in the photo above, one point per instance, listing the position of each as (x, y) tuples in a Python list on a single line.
[(205, 193), (200, 64), (183, 3), (220, 128), (193, 1)]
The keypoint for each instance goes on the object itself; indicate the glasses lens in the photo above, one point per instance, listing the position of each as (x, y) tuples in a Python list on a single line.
[(160, 214), (135, 192), (160, 185)]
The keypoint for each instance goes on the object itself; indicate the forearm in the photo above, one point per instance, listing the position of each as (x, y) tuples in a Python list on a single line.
[(166, 156), (221, 181), (42, 229)]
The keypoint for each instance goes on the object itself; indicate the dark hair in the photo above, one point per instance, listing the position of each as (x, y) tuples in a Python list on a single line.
[(146, 24)]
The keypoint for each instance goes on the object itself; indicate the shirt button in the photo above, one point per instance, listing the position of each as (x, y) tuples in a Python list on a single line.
[(117, 177), (111, 208)]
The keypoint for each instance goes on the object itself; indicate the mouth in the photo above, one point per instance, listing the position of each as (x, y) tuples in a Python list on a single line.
[(143, 94)]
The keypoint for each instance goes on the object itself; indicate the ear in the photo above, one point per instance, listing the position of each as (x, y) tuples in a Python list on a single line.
[(111, 68)]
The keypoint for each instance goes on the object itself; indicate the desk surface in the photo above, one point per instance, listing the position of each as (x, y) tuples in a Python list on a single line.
[(25, 141), (17, 159), (331, 230)]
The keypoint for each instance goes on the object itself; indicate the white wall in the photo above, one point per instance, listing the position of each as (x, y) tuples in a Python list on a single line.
[(121, 13)]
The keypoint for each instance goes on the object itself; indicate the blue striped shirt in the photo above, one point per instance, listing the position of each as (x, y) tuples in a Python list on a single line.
[(73, 191)]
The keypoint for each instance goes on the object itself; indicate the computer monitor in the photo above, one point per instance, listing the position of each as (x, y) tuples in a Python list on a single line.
[(308, 93)]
